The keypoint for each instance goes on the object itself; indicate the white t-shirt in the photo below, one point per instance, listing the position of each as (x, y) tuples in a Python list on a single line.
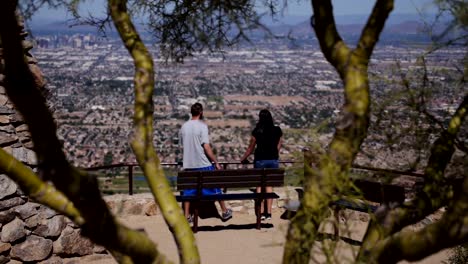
[(192, 135)]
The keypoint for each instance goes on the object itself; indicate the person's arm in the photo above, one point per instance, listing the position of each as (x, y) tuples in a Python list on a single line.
[(250, 148), (209, 153), (280, 141), (179, 159)]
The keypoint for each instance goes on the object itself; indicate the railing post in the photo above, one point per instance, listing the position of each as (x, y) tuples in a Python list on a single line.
[(130, 180), (225, 166)]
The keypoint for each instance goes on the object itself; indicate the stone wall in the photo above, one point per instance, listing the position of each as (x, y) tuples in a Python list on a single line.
[(30, 232)]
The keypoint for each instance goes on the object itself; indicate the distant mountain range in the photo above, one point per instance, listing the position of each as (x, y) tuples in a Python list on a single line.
[(347, 19), (350, 25), (409, 27)]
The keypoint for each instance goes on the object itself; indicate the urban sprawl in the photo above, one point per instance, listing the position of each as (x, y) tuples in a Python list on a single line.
[(91, 84)]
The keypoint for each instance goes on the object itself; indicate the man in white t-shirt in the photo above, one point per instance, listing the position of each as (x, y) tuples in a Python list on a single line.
[(198, 155)]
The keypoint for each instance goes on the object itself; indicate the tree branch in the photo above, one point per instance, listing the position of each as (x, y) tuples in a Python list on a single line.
[(322, 185), (142, 143), (80, 187), (373, 28), (331, 43), (37, 189), (436, 191), (449, 231)]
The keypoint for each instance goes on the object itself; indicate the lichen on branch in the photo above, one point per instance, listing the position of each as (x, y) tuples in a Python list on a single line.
[(142, 142)]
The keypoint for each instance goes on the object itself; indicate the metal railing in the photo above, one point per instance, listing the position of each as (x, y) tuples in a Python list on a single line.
[(178, 166), (131, 166)]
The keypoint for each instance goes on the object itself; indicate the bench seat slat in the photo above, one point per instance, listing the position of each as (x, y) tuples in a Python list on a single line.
[(184, 186)]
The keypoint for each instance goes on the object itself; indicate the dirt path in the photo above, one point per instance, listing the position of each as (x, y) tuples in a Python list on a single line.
[(237, 241)]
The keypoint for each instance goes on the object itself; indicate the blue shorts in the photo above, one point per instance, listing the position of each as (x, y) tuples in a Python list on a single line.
[(205, 191), (260, 164)]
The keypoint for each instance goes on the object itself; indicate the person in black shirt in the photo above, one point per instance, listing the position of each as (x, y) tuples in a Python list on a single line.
[(266, 140)]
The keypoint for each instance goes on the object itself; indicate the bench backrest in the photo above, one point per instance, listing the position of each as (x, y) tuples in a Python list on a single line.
[(375, 191), (242, 178), (380, 192)]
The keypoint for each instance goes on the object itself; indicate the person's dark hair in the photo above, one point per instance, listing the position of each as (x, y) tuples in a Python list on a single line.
[(196, 109), (265, 121)]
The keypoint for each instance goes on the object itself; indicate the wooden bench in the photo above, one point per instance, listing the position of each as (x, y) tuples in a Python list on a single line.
[(371, 192), (375, 192), (242, 178)]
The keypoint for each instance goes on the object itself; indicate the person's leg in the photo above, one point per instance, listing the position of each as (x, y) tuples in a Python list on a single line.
[(187, 209), (258, 164), (187, 214), (223, 206), (186, 205), (269, 189), (274, 165), (227, 213)]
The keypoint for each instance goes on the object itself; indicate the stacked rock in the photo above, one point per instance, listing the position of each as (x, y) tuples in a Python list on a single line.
[(30, 232)]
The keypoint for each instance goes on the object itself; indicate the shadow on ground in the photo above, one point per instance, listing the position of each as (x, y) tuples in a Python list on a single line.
[(232, 227)]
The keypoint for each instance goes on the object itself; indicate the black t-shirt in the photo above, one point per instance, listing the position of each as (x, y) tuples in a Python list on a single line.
[(267, 143)]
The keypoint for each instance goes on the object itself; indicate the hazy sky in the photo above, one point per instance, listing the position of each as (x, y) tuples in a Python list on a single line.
[(359, 7), (341, 7)]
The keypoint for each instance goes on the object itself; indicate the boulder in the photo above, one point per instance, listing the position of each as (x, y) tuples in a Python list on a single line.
[(7, 139), (25, 155), (16, 118), (133, 207), (4, 247), (13, 231), (139, 204), (70, 223), (71, 243), (99, 249), (9, 203), (7, 186), (7, 128), (6, 216), (32, 222), (27, 210), (44, 214), (22, 128), (52, 260), (24, 136), (17, 144), (150, 208), (5, 111), (34, 248), (51, 227), (28, 145), (4, 260), (4, 119), (3, 99)]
